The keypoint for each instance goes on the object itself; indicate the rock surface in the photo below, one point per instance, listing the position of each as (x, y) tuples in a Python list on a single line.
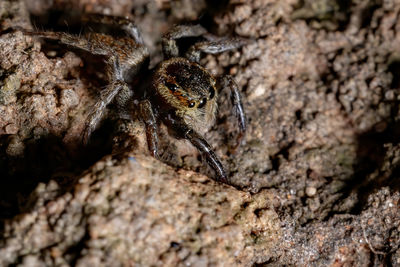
[(317, 179)]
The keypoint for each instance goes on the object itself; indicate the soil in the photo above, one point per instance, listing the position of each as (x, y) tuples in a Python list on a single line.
[(316, 179)]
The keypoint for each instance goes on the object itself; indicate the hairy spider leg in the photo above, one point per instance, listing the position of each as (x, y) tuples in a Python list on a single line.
[(149, 119), (184, 131), (213, 44), (83, 43), (169, 45), (125, 24), (94, 44), (106, 96), (213, 47), (227, 82)]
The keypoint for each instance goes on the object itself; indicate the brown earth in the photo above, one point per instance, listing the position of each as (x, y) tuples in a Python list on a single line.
[(317, 177)]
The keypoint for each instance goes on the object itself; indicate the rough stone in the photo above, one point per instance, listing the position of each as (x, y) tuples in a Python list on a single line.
[(316, 180)]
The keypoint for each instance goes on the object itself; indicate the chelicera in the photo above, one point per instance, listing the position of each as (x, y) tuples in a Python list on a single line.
[(178, 92)]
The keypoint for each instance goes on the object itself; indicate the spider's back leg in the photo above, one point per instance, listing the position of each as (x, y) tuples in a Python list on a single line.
[(106, 96), (227, 82), (124, 23), (82, 42), (133, 56), (125, 59), (169, 45)]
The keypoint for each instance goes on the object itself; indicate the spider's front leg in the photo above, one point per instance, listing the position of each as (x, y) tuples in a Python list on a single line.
[(182, 130), (227, 82), (148, 117)]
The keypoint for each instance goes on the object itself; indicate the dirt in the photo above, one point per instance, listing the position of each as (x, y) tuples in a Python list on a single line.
[(316, 178)]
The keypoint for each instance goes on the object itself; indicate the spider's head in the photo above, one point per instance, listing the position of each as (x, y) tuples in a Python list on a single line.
[(189, 89)]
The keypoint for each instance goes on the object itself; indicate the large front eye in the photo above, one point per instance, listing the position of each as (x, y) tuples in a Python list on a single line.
[(202, 103), (172, 86), (191, 104), (212, 92)]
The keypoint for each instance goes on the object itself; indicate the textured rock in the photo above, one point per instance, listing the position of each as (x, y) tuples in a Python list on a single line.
[(121, 209), (317, 176)]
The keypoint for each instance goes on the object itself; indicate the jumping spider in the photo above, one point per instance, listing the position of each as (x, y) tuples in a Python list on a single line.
[(178, 92)]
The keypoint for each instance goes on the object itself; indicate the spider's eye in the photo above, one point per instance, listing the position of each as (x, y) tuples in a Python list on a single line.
[(171, 86), (191, 104), (202, 102), (212, 92)]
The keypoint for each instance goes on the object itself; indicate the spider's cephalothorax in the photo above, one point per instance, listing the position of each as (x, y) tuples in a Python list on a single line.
[(189, 89), (178, 92)]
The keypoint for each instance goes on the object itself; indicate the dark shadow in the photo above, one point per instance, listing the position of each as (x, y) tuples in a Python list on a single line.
[(368, 11), (58, 20), (48, 157), (42, 160), (212, 9), (394, 68), (371, 155)]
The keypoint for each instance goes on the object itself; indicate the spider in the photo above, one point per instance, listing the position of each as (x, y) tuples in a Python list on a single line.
[(178, 92)]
